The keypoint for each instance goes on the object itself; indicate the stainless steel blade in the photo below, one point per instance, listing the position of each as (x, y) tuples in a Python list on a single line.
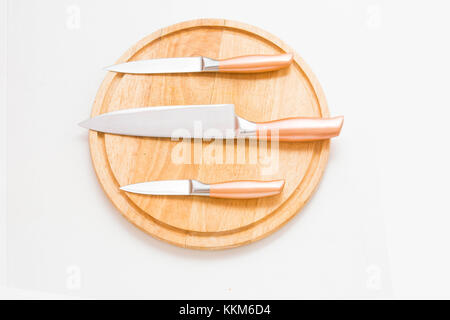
[(169, 187), (165, 65), (163, 187), (198, 121)]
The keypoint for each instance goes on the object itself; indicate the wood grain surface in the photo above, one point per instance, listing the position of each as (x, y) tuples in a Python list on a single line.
[(202, 222)]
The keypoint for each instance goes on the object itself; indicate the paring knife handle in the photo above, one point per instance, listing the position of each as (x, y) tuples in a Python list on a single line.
[(300, 129), (246, 189), (255, 63)]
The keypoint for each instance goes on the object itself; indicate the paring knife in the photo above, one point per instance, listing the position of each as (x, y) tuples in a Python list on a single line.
[(210, 121), (230, 190), (243, 64)]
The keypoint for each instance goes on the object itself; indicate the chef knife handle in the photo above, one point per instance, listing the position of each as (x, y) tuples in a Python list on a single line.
[(255, 63), (300, 129), (246, 189)]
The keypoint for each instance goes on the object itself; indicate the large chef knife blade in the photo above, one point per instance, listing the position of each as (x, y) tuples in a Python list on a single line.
[(201, 121), (210, 121)]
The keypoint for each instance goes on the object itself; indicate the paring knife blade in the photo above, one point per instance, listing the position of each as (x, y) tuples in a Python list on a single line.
[(230, 190), (244, 64), (210, 121), (163, 187)]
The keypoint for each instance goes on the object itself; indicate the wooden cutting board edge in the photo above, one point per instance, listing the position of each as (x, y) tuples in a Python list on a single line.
[(195, 240)]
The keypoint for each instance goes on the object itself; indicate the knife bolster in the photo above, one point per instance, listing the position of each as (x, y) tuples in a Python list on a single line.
[(199, 189), (210, 65), (246, 129)]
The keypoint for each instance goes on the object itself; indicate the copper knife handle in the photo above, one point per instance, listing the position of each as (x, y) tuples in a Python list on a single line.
[(300, 129), (246, 189), (255, 63)]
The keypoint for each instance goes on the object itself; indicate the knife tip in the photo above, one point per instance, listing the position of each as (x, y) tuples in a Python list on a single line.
[(113, 68), (126, 188), (85, 124)]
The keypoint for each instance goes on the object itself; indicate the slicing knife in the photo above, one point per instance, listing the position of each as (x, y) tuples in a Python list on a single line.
[(243, 64)]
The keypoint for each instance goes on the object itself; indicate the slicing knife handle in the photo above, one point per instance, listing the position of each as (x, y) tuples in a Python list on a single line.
[(246, 189), (255, 63), (300, 129)]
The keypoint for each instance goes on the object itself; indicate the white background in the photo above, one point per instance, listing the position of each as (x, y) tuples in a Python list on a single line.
[(377, 227)]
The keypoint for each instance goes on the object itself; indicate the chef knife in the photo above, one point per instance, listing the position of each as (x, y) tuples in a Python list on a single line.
[(230, 190), (243, 64), (210, 121)]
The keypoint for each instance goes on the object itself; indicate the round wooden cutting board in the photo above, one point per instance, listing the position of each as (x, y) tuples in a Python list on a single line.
[(202, 222)]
